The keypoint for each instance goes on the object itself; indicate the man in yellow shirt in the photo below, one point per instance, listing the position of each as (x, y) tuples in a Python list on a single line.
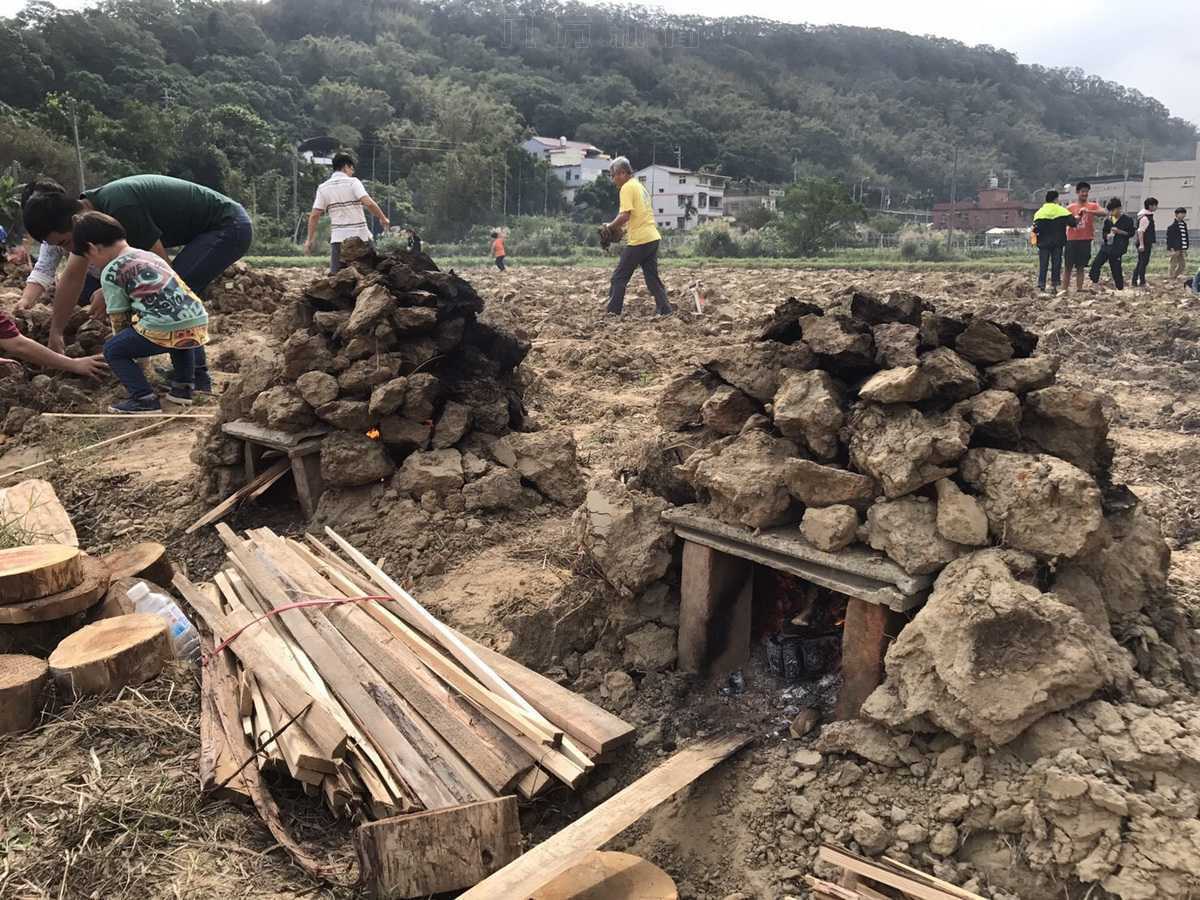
[(636, 218)]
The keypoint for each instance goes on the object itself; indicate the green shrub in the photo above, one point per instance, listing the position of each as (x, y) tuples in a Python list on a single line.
[(715, 240), (923, 246)]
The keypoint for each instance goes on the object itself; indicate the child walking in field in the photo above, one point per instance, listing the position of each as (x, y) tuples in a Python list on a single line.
[(1118, 228), (498, 249), (1178, 243), (152, 311)]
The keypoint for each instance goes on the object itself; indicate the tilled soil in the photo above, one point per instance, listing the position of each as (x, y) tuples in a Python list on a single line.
[(517, 580)]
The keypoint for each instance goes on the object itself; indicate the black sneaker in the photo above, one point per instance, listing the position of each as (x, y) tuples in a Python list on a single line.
[(203, 381), (137, 405), (181, 394)]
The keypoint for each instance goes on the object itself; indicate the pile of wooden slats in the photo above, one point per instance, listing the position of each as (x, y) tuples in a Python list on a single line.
[(880, 879), (376, 704)]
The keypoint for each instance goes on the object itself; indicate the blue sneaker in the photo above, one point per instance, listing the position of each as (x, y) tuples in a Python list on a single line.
[(137, 405), (181, 394), (203, 381)]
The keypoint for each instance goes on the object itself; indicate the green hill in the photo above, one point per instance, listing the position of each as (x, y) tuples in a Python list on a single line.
[(440, 93)]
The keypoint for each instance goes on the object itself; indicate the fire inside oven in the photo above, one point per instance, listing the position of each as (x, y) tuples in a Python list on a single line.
[(798, 625)]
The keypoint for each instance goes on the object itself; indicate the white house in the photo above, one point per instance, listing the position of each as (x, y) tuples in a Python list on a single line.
[(575, 163), (682, 199)]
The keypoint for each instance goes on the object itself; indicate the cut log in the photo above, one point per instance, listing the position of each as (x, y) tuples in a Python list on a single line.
[(108, 655), (84, 595), (530, 871), (27, 573), (33, 506), (148, 559), (23, 680), (443, 850), (608, 875)]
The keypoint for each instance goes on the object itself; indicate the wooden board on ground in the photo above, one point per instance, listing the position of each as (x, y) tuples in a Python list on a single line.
[(441, 850), (596, 728), (912, 882), (84, 595), (27, 573), (608, 875), (108, 655), (148, 559), (268, 477), (23, 680), (522, 877), (34, 508)]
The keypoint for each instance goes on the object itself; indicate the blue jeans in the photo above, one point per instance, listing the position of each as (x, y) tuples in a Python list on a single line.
[(122, 351), (205, 257)]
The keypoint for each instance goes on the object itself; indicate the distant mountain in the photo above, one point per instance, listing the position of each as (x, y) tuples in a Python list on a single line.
[(217, 90)]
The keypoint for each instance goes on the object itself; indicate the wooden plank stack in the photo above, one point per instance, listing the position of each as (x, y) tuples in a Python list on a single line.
[(354, 689), (882, 879)]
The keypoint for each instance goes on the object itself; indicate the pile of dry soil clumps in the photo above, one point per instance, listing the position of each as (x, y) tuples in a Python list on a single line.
[(241, 287), (420, 399), (945, 444)]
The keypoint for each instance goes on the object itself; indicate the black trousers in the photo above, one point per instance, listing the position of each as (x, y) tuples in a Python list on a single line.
[(1139, 271), (500, 263), (1106, 255), (645, 256), (1050, 257)]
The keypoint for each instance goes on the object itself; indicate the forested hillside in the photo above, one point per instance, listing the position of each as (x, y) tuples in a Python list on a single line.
[(440, 92)]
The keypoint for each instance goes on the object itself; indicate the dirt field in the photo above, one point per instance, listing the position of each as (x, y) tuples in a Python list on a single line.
[(101, 802)]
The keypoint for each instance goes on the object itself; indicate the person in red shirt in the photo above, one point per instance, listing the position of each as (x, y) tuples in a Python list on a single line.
[(1079, 238), (12, 341)]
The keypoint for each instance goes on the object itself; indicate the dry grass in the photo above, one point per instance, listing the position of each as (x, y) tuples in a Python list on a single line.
[(102, 801)]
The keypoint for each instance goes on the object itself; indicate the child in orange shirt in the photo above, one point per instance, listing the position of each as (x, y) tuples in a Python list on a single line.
[(498, 249)]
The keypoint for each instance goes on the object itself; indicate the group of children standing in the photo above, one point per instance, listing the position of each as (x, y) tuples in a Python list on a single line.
[(1069, 231)]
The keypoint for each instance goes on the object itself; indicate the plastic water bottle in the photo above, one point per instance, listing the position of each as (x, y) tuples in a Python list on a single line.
[(184, 640)]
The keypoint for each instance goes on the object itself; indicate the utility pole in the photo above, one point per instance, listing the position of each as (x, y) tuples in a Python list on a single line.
[(295, 191), (678, 157), (953, 199), (506, 190), (78, 149), (389, 209), (546, 193)]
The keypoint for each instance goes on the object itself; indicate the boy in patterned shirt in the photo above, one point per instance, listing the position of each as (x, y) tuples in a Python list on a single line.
[(151, 308)]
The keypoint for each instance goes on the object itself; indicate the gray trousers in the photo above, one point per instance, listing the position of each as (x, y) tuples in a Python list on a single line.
[(645, 256)]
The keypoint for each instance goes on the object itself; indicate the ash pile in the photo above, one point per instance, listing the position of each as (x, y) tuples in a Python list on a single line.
[(241, 287), (945, 444), (389, 358)]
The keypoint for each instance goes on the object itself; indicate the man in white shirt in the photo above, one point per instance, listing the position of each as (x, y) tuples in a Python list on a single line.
[(343, 197)]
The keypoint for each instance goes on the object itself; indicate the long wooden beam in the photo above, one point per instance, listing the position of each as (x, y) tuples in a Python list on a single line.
[(528, 872)]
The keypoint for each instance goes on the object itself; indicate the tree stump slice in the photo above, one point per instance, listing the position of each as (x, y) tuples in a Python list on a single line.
[(148, 559), (23, 680), (84, 595), (108, 655), (608, 875), (27, 573)]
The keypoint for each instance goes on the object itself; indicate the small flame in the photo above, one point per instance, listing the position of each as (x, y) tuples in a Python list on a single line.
[(373, 434), (839, 623)]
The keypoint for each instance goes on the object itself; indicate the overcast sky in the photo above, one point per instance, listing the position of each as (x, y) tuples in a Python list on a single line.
[(1154, 47)]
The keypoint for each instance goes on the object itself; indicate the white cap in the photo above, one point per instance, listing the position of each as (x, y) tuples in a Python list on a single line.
[(138, 591)]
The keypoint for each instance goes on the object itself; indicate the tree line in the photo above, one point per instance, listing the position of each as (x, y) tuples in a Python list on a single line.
[(435, 98)]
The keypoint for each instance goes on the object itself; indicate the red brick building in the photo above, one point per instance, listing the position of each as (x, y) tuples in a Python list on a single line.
[(995, 208)]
